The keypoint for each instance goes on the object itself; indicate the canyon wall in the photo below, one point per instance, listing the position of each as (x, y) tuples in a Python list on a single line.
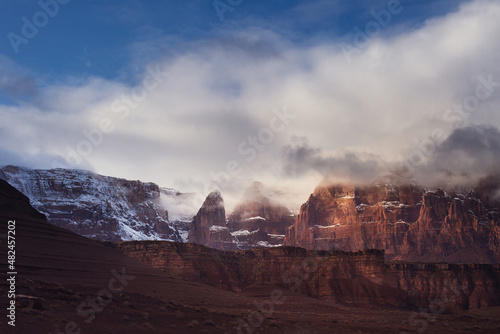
[(408, 222), (353, 278)]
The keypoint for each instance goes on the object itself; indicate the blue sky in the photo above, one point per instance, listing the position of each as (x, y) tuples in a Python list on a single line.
[(87, 38), (359, 105)]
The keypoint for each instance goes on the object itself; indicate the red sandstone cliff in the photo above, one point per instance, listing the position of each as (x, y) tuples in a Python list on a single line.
[(62, 277), (209, 227), (408, 222), (352, 278), (61, 271), (258, 221)]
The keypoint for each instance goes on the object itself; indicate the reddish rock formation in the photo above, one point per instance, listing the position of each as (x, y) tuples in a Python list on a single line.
[(62, 274), (209, 227), (352, 278), (60, 271), (455, 230), (408, 222), (355, 218), (258, 221)]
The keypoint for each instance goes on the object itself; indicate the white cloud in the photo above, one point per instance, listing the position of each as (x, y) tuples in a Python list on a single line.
[(221, 92)]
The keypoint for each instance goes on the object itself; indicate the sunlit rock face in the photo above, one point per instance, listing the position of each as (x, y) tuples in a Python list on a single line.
[(258, 220), (360, 278), (209, 227), (407, 221)]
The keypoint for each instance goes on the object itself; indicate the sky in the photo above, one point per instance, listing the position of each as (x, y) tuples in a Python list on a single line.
[(199, 95)]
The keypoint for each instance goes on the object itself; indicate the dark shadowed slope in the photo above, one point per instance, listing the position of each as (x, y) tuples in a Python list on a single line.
[(65, 284), (58, 270)]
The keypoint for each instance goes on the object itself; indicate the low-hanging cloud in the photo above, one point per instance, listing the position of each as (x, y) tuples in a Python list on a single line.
[(467, 154), (299, 159), (356, 116)]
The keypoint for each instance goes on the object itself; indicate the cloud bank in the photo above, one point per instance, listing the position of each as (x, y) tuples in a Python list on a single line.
[(354, 118)]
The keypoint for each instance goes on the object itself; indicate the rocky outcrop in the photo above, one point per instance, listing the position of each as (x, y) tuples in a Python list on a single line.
[(455, 229), (112, 209), (68, 283), (355, 218), (351, 278), (209, 227), (93, 205), (258, 221), (407, 221)]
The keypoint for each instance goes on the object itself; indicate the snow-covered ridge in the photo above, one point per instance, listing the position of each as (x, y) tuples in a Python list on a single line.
[(266, 244), (216, 228), (254, 218), (243, 233), (93, 205), (110, 208), (328, 226)]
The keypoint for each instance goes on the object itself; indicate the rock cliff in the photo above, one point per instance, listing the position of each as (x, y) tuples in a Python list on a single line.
[(259, 221), (92, 287), (407, 221), (358, 278), (93, 205), (209, 227)]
